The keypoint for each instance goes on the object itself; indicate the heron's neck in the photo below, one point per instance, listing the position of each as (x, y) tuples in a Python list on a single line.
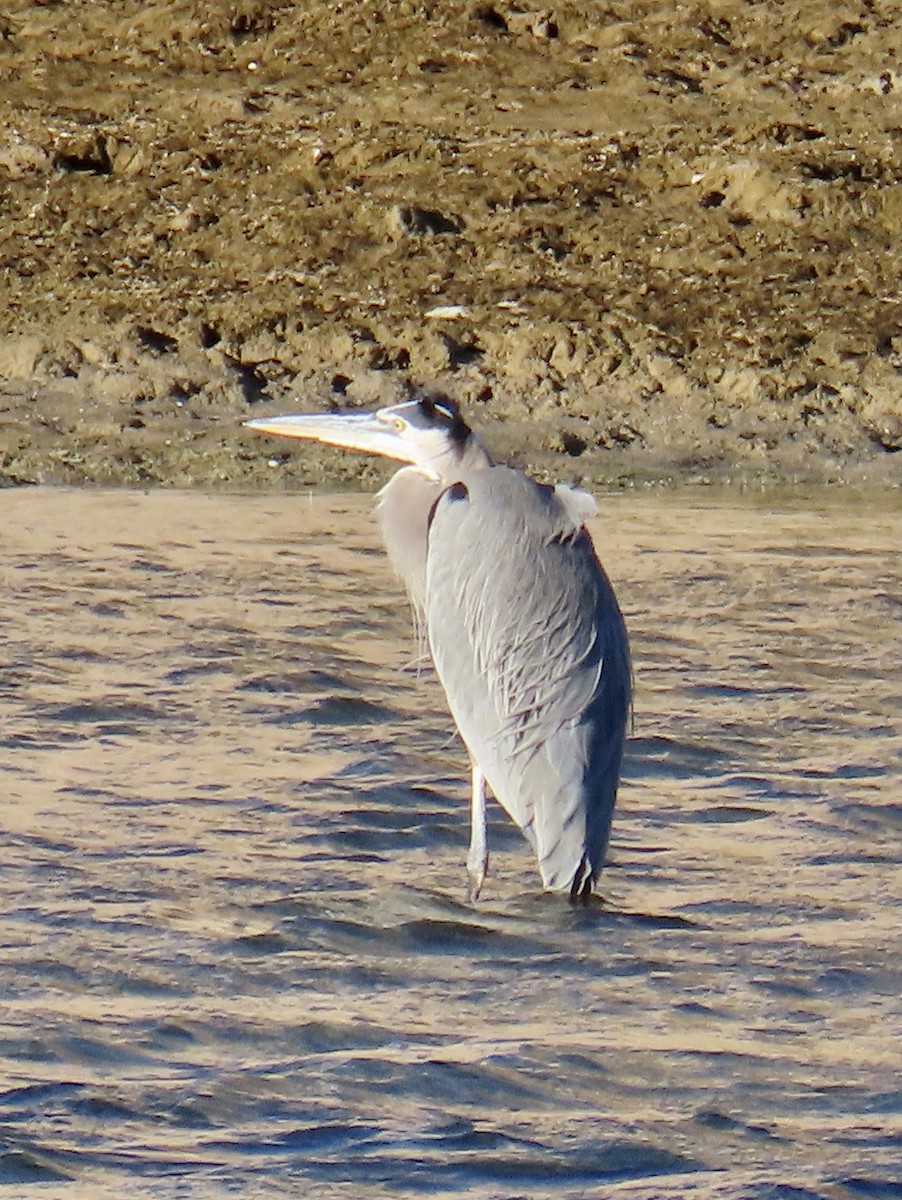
[(403, 507), (406, 502), (472, 456)]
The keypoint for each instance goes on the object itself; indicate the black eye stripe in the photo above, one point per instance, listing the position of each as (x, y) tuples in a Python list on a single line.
[(432, 406), (436, 410)]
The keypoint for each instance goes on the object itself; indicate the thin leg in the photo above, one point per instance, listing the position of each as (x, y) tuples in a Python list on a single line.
[(478, 856)]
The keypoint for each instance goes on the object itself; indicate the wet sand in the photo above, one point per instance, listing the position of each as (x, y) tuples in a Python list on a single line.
[(235, 951)]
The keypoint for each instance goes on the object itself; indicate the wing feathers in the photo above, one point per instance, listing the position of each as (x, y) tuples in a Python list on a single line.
[(531, 648)]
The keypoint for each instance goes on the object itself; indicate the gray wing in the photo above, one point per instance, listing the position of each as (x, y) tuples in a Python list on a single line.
[(531, 648)]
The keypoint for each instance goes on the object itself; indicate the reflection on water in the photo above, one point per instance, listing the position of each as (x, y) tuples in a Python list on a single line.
[(236, 956)]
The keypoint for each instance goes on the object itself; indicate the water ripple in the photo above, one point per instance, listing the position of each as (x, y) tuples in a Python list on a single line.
[(236, 954)]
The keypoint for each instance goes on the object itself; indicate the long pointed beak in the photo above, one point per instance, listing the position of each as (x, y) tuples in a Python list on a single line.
[(353, 431)]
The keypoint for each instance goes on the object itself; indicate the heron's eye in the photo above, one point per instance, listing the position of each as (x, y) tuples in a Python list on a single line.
[(398, 425)]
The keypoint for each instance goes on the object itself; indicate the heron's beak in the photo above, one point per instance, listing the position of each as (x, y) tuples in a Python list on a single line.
[(371, 433)]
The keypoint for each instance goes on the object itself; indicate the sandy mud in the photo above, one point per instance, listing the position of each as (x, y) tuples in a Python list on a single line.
[(637, 240)]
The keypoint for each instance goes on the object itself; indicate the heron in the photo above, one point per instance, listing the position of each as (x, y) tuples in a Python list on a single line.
[(522, 623)]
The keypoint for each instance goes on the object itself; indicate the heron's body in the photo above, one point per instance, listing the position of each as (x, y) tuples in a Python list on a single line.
[(525, 633), (533, 661)]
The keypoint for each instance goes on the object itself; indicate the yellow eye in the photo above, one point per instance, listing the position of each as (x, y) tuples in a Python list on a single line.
[(399, 425)]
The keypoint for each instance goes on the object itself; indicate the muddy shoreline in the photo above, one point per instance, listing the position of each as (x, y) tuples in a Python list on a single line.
[(647, 243)]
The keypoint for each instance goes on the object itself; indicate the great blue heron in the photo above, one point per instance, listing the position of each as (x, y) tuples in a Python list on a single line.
[(523, 625)]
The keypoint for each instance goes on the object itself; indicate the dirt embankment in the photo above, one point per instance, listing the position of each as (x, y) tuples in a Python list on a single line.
[(639, 239)]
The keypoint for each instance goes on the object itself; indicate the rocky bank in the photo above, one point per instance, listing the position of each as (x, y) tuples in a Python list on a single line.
[(637, 240)]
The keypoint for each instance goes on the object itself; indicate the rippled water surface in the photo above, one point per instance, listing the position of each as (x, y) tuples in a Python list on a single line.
[(236, 958)]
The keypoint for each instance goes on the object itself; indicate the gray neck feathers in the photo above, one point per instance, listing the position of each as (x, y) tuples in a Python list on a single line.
[(404, 507)]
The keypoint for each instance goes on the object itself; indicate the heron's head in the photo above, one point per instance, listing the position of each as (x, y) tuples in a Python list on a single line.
[(428, 432)]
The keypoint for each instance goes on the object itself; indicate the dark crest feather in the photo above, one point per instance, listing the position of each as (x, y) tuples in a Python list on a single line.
[(438, 408)]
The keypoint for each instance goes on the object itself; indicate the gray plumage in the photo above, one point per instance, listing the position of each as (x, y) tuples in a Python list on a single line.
[(523, 625), (530, 646)]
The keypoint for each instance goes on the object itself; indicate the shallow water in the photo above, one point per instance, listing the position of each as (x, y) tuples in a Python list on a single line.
[(236, 959)]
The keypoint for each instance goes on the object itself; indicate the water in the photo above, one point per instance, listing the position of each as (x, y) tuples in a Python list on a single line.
[(236, 959)]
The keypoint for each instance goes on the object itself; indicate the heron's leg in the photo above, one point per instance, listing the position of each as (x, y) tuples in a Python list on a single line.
[(478, 856)]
